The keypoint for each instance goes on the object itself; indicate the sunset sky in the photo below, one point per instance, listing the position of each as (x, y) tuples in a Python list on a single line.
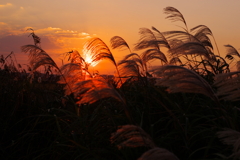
[(63, 25)]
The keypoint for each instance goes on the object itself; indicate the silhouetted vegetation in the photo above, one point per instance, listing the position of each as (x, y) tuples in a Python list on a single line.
[(185, 106)]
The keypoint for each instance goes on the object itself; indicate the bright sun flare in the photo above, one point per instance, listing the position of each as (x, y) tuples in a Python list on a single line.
[(88, 57)]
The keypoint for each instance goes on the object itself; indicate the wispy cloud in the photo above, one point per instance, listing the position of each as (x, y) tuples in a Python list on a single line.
[(66, 39), (53, 39)]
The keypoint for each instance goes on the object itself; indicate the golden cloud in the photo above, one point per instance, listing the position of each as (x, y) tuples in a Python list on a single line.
[(3, 24), (6, 5), (65, 40)]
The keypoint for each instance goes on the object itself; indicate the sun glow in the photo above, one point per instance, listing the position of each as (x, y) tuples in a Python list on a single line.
[(89, 58)]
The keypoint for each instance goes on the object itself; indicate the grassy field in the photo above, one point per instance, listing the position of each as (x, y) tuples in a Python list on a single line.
[(185, 108)]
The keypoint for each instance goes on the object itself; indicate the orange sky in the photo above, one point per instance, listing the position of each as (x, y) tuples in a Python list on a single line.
[(64, 25)]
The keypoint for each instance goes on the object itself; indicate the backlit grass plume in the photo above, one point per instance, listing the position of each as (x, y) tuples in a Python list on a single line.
[(161, 38), (151, 44), (194, 42), (72, 74), (129, 65), (119, 42), (158, 154), (132, 66), (228, 85), (92, 90), (183, 44), (75, 57), (96, 50), (147, 40), (131, 136), (85, 88), (201, 32), (38, 57), (36, 39), (231, 51), (180, 79), (175, 15), (191, 48)]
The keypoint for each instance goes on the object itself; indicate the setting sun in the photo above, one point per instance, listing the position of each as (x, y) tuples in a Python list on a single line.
[(89, 58)]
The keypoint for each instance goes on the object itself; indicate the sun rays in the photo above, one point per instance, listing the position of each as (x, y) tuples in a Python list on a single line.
[(88, 56)]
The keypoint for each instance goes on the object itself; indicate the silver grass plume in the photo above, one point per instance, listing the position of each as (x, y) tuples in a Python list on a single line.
[(158, 154), (175, 15), (232, 138), (228, 85), (127, 68), (131, 67), (191, 48), (38, 57), (72, 74), (190, 45), (153, 54), (147, 40), (75, 57), (151, 43), (86, 90), (92, 90), (36, 39), (161, 38), (179, 35), (180, 79), (183, 44), (98, 51), (201, 32), (231, 51), (131, 136), (119, 42)]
